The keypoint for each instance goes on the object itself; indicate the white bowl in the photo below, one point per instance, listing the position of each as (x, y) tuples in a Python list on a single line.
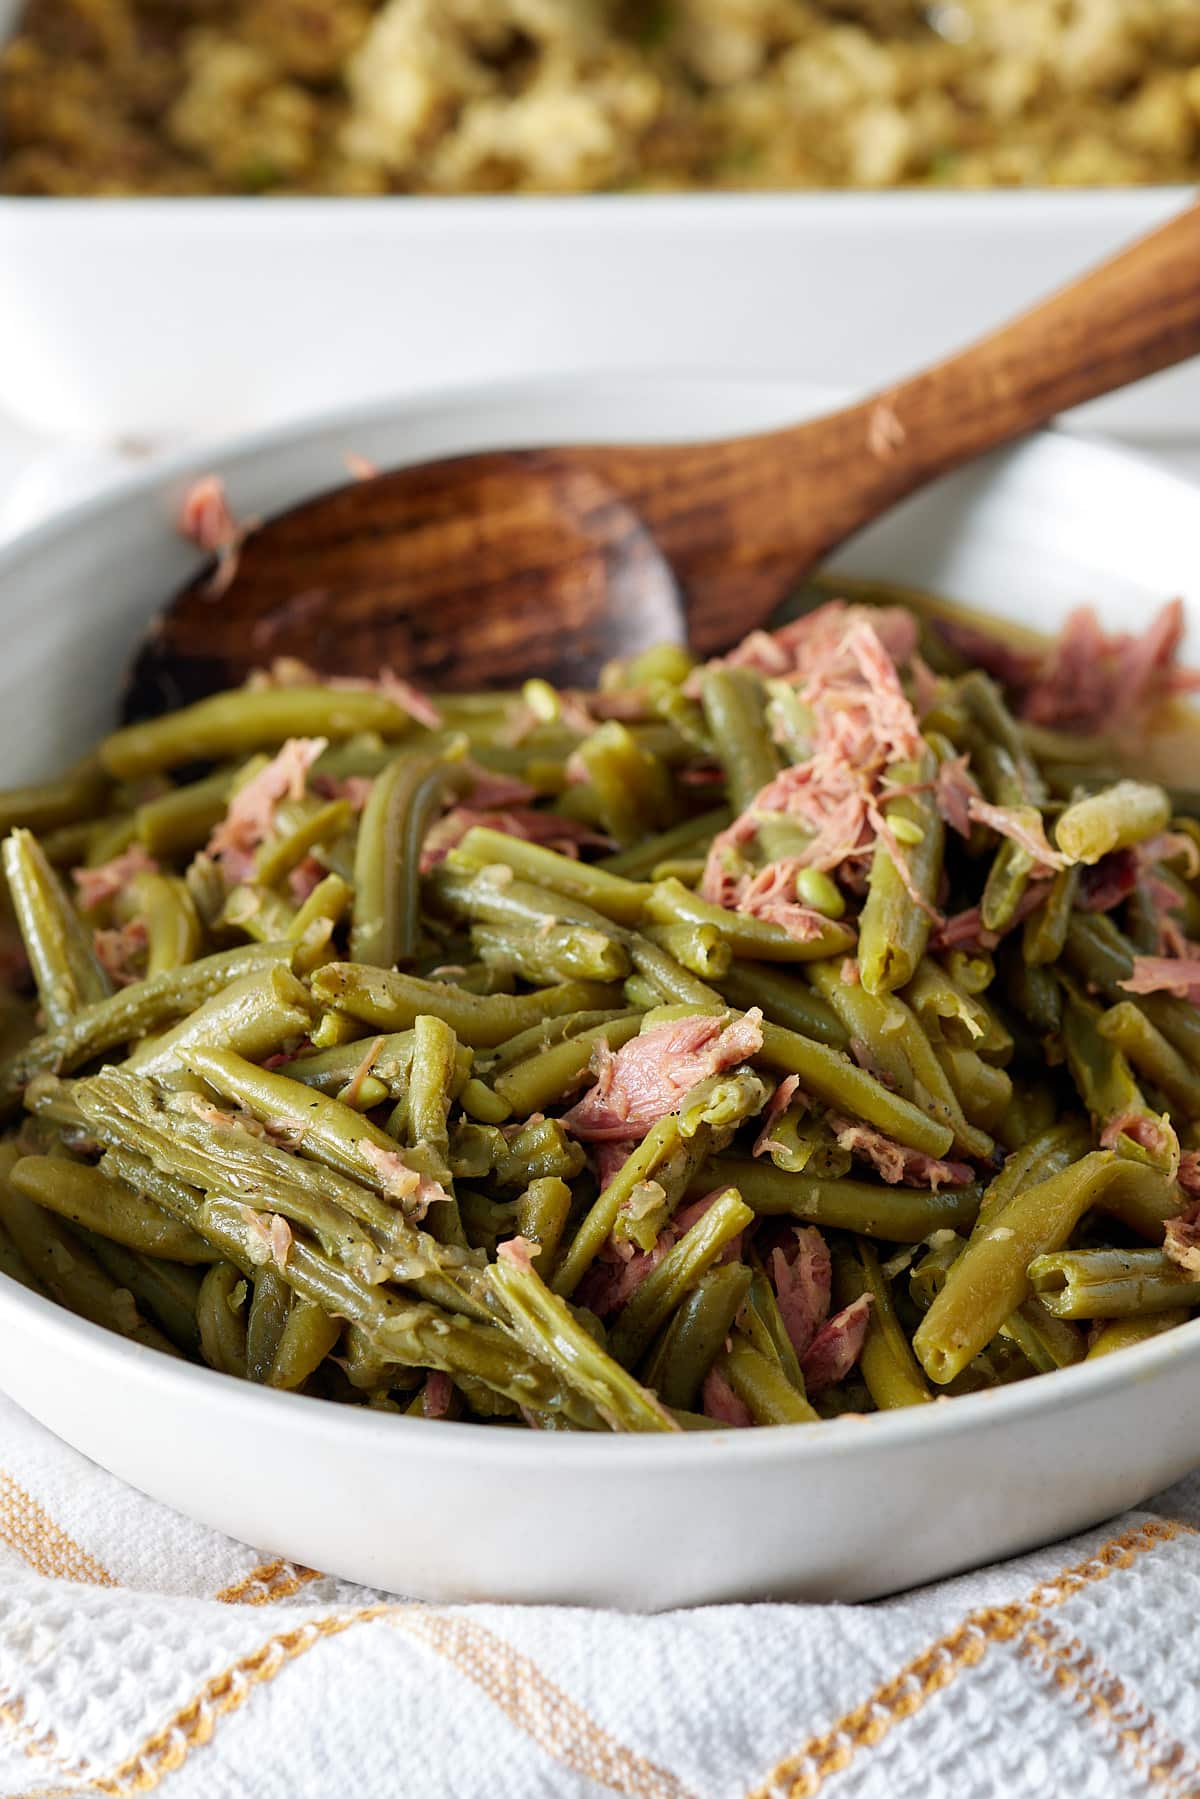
[(842, 1510)]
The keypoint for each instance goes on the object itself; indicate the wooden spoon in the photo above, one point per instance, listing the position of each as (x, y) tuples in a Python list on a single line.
[(481, 570)]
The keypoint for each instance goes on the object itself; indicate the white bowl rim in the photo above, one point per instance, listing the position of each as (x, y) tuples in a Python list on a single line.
[(323, 1419)]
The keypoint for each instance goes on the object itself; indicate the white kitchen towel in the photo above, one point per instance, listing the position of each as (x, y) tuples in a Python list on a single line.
[(140, 1653)]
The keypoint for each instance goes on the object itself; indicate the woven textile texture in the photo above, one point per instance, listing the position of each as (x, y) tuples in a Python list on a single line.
[(142, 1653)]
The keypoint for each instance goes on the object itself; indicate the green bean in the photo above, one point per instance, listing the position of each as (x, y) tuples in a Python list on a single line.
[(664, 1287), (539, 1150), (286, 849), (67, 1271), (405, 800), (259, 912), (897, 1044), (235, 723), (670, 980), (541, 1217), (270, 1304), (763, 1309), (1113, 819), (698, 948), (616, 898), (989, 1280), (1112, 1283), (983, 1092), (480, 1103), (696, 1334), (928, 1276), (839, 1083), (988, 712), (397, 1330), (886, 1361), (973, 971), (219, 1315), (761, 1385), (630, 785), (785, 1000), (1047, 1341), (1039, 1156), (734, 706), (391, 1002), (13, 1264), (940, 1003), (1033, 989), (81, 1195), (1148, 1051), (802, 1144), (547, 1328), (57, 942), (72, 799), (1045, 931), (638, 863), (135, 1011), (328, 903), (664, 1157), (182, 820), (899, 907), (896, 1214), (543, 1080), (165, 1292), (669, 902), (255, 1016), (307, 1337), (561, 953), (1125, 1333), (173, 929), (1099, 952), (1102, 1075)]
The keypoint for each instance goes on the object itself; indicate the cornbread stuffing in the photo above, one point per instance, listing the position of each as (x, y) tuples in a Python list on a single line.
[(566, 96)]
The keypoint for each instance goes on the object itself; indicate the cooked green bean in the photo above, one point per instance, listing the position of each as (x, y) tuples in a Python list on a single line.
[(895, 1214), (761, 1385), (698, 948), (57, 943), (270, 1303), (664, 1287), (1111, 1283), (546, 1078), (896, 917), (1126, 1333), (887, 1361), (1113, 819), (785, 1000), (404, 801), (669, 902), (990, 1280), (616, 898), (235, 723), (165, 1292), (559, 953), (307, 1337), (549, 1330), (74, 798), (639, 863), (1045, 931), (81, 1194), (390, 1001), (696, 1334), (1149, 1052), (220, 1315), (1047, 1341)]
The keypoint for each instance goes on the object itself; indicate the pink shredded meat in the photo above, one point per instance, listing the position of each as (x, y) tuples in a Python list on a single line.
[(649, 1076), (1155, 1135), (439, 1390), (1166, 974), (120, 952), (719, 1401), (896, 1162), (1024, 826), (837, 1346), (954, 790), (1107, 883), (518, 1252), (778, 1104), (966, 930), (1093, 682), (1181, 1241), (206, 519), (250, 817), (980, 649), (414, 1192), (1189, 1172), (802, 1275), (844, 660), (93, 886)]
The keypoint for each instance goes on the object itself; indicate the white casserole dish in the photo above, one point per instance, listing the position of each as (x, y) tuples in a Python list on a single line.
[(844, 1510), (180, 318)]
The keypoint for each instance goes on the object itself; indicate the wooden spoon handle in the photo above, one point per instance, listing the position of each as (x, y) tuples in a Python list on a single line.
[(740, 519), (1129, 317)]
